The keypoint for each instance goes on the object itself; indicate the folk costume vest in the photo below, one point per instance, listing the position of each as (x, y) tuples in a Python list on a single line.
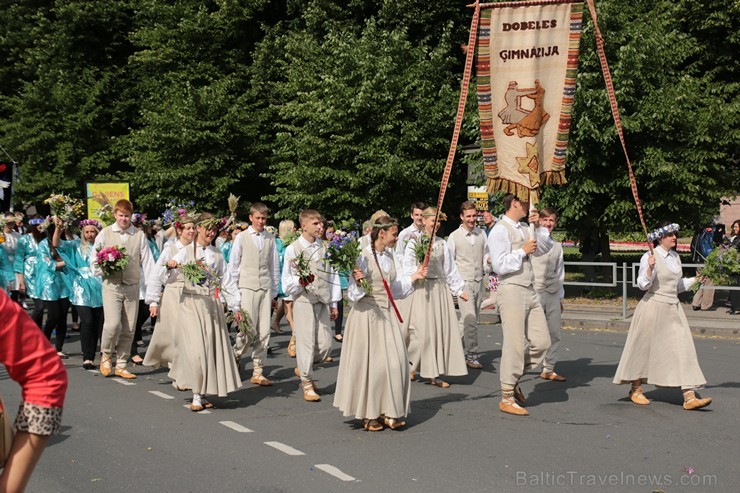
[(665, 286), (379, 296), (254, 271), (131, 274), (544, 267), (469, 258)]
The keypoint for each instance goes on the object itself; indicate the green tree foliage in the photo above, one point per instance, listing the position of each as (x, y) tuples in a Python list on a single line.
[(348, 106), (366, 115)]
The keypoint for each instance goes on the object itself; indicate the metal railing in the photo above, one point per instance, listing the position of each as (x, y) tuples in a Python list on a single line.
[(629, 276)]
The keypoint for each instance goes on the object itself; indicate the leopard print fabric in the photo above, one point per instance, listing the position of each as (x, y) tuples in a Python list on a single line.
[(38, 420)]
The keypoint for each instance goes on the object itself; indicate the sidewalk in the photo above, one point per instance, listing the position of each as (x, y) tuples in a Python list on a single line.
[(709, 323)]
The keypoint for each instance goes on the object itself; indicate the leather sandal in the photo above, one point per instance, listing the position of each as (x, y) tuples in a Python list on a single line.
[(106, 367), (196, 408), (692, 401), (509, 406), (309, 392), (291, 347), (438, 382), (207, 404), (372, 425), (124, 373), (260, 379), (394, 423), (638, 397), (551, 375)]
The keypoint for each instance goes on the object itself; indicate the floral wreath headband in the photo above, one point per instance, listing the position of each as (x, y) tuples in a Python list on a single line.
[(91, 222), (384, 226), (661, 232), (36, 221)]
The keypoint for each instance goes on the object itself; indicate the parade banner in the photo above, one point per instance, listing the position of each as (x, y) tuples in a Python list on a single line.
[(104, 195), (527, 62)]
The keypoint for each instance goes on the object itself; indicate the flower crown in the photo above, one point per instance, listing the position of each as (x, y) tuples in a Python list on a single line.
[(36, 221), (91, 222), (661, 232), (377, 225)]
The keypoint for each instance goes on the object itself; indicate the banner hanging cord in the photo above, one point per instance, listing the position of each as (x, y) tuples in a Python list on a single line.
[(615, 114), (469, 56)]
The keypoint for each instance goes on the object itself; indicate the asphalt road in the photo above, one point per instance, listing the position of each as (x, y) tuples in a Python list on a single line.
[(582, 435)]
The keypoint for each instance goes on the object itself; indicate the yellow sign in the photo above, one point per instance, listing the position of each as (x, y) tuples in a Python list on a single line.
[(101, 194)]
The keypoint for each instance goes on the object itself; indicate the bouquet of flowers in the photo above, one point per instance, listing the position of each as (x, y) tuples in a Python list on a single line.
[(302, 267), (721, 266), (65, 207), (342, 253), (245, 328), (421, 245), (198, 273), (111, 259)]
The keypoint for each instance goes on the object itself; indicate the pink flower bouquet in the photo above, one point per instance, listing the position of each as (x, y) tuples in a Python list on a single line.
[(111, 260)]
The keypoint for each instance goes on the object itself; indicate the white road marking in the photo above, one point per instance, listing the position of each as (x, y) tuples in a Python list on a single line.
[(94, 372), (329, 469), (236, 426), (123, 381), (286, 449), (161, 394), (204, 411)]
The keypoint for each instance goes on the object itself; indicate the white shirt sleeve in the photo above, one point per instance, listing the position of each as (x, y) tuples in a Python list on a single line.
[(274, 270), (402, 286), (97, 245), (229, 288), (560, 271), (451, 247), (452, 275), (147, 260), (504, 261), (544, 241), (289, 278), (355, 292), (643, 281), (235, 257)]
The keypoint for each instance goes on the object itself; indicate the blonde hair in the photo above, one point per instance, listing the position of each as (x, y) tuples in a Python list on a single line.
[(286, 226), (307, 214)]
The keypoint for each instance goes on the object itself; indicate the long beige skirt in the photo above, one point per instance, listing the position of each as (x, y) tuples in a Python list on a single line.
[(373, 374), (204, 361), (659, 348), (435, 335), (161, 350)]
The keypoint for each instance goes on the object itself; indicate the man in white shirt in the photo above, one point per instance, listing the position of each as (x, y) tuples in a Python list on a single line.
[(121, 289), (417, 217), (468, 248), (526, 337), (549, 275), (315, 291), (255, 265)]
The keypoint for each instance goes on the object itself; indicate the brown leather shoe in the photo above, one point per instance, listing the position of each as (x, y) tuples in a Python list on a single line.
[(297, 372), (309, 393), (412, 375), (124, 373), (692, 402), (552, 376), (260, 379), (511, 407), (196, 408), (638, 397)]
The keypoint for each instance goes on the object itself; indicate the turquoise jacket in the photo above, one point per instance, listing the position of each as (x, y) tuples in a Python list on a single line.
[(6, 270), (226, 249), (25, 263), (84, 288), (50, 285)]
